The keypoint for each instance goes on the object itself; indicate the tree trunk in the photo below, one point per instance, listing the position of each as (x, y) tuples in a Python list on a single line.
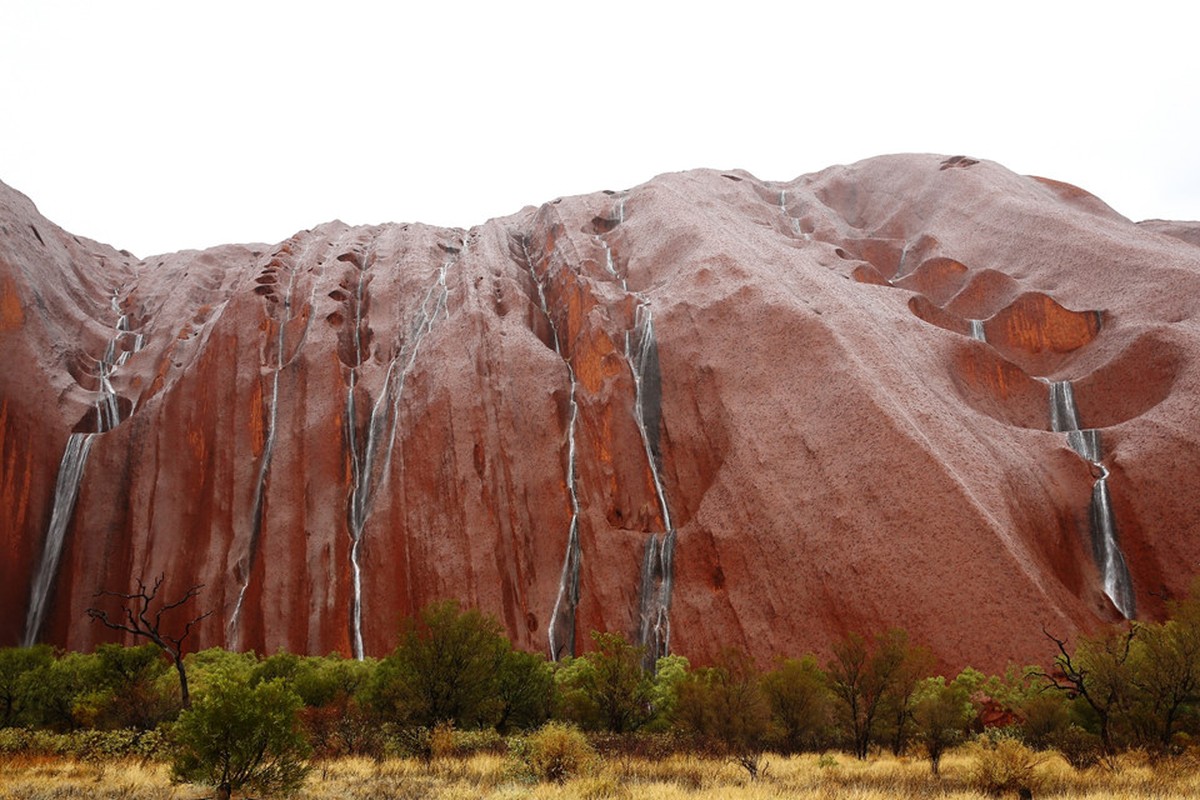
[(184, 697)]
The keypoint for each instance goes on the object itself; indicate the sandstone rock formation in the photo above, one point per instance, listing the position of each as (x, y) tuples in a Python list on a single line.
[(710, 410)]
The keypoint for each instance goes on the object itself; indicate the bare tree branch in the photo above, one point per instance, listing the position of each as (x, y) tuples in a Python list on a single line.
[(136, 612)]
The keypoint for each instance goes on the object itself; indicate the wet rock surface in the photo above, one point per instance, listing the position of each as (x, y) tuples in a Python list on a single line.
[(710, 410)]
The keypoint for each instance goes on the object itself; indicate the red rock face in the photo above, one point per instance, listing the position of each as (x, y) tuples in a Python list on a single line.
[(707, 411)]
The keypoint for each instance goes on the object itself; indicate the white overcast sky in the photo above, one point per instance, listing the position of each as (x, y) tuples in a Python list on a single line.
[(159, 126)]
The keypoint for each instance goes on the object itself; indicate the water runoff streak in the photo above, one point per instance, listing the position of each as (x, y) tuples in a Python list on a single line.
[(561, 631), (370, 456), (71, 470), (66, 492), (654, 617), (1106, 550), (641, 354), (264, 464)]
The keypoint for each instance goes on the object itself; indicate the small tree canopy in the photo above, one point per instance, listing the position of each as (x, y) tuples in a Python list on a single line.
[(237, 737), (800, 703), (446, 668), (942, 713), (607, 689)]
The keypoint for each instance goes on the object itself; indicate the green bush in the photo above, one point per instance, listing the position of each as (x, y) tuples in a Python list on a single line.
[(91, 745), (607, 689), (235, 737), (1080, 748), (556, 752), (446, 668)]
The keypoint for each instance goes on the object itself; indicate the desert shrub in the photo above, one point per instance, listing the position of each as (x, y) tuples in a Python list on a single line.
[(103, 746), (408, 741), (640, 745), (478, 742), (442, 742), (556, 752), (1046, 716), (26, 741), (341, 728), (446, 668), (235, 737), (1080, 748), (1003, 764), (86, 745)]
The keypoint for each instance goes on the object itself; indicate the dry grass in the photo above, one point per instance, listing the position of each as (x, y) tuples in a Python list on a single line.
[(53, 778), (809, 777)]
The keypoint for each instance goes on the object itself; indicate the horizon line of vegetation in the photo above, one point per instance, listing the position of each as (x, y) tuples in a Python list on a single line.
[(1130, 686)]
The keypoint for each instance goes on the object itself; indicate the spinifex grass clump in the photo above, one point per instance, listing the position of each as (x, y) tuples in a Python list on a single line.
[(556, 753)]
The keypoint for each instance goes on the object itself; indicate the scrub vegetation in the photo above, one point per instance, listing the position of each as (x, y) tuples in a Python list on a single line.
[(456, 711)]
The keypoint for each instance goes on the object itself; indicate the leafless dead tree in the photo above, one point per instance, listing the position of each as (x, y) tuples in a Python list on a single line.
[(138, 619)]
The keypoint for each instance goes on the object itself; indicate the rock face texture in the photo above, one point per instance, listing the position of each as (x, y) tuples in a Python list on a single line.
[(711, 410)]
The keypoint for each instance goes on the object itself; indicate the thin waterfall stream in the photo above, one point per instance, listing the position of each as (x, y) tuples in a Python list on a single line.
[(561, 630), (66, 492), (264, 465), (1106, 549), (657, 577), (641, 352), (370, 456), (71, 470)]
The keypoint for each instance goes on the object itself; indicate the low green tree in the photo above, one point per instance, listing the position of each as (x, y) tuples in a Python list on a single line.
[(1165, 674), (53, 694), (725, 707), (799, 697), (19, 666), (236, 737), (1098, 673), (525, 689), (669, 672), (281, 664), (322, 681), (143, 614), (1043, 718), (127, 688), (863, 676), (915, 665), (606, 689), (446, 668), (942, 713)]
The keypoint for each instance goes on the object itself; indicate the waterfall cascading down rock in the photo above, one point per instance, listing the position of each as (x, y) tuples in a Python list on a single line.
[(258, 509), (370, 458), (71, 468), (977, 331), (561, 630), (1063, 416), (641, 354), (108, 412), (66, 492), (1106, 550)]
